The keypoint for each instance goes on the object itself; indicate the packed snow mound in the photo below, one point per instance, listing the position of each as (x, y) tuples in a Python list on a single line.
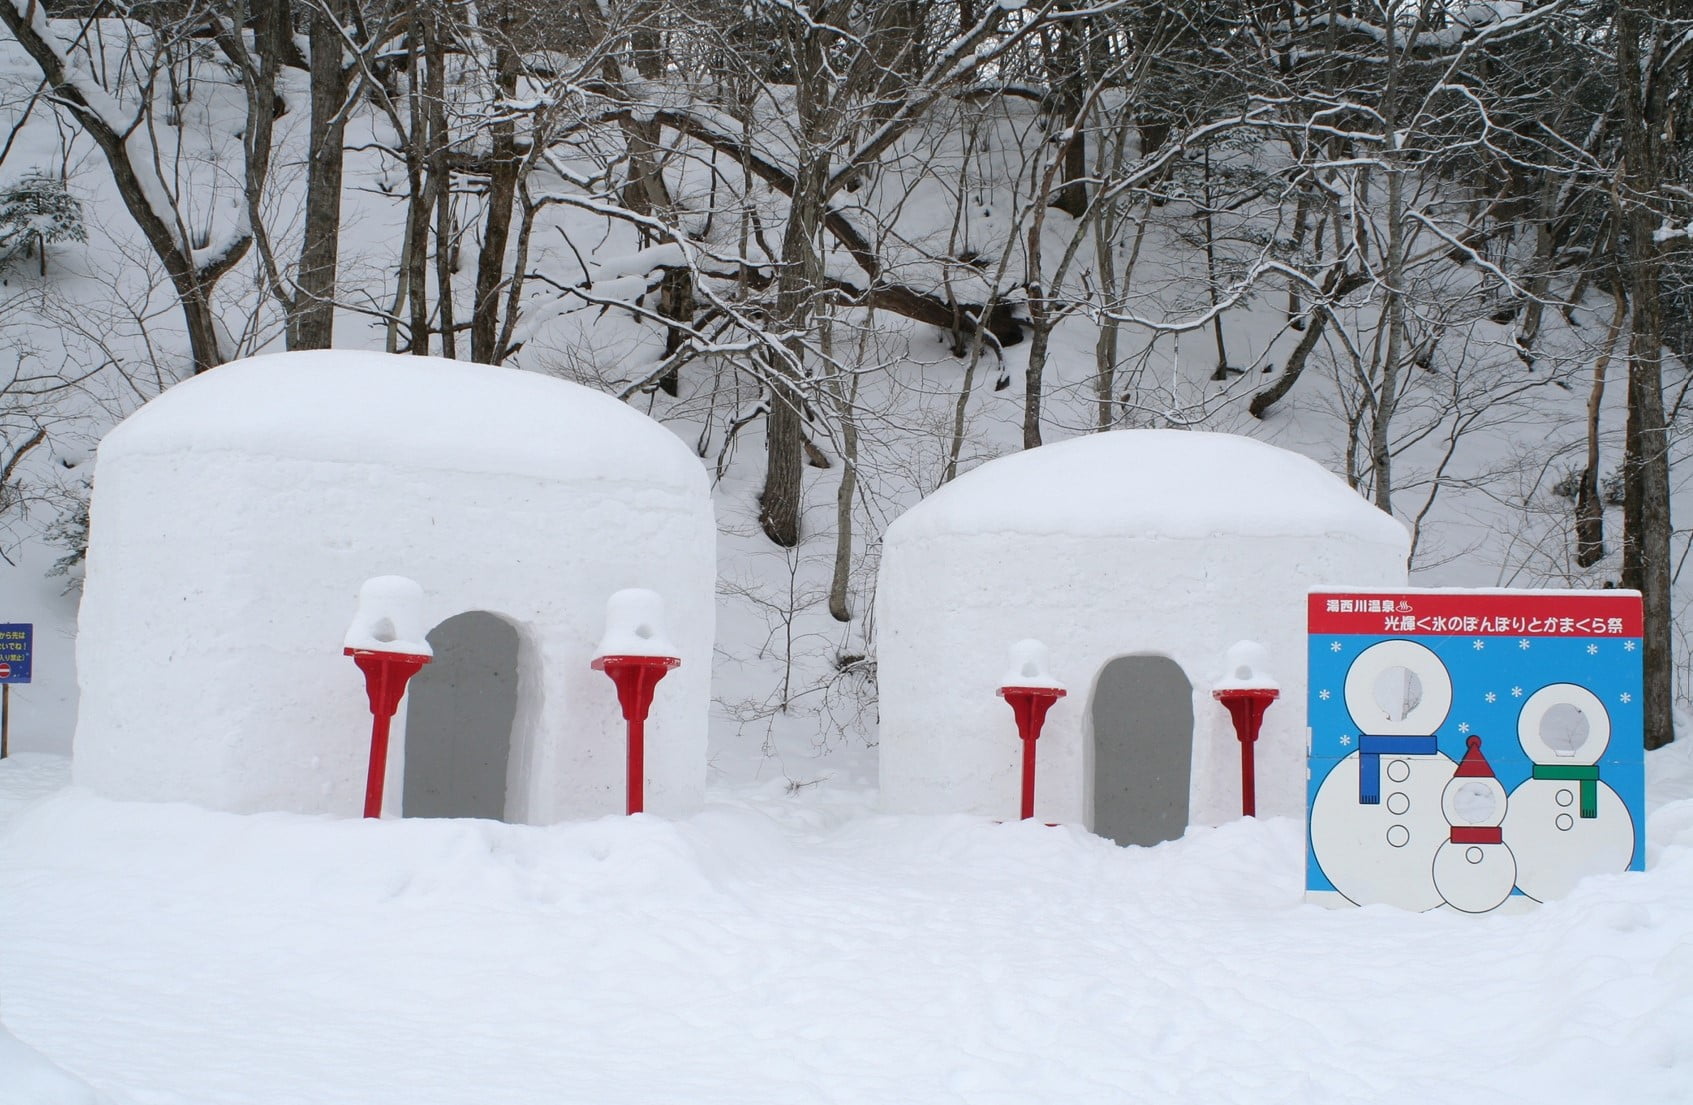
[(1153, 547), (234, 518), (1150, 483), (28, 1077), (341, 405)]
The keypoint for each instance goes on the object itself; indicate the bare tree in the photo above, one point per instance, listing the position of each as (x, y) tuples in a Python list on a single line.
[(124, 120), (1654, 59)]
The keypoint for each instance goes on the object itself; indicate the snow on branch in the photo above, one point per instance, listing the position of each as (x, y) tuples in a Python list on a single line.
[(1227, 300), (100, 112), (137, 172)]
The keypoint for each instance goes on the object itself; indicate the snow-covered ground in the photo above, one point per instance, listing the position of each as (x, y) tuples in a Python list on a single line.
[(800, 948), (791, 944)]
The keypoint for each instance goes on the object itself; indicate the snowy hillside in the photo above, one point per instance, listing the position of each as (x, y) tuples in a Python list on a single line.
[(1483, 447)]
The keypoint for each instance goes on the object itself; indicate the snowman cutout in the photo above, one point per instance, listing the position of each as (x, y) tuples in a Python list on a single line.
[(1565, 822), (1376, 820), (1474, 870)]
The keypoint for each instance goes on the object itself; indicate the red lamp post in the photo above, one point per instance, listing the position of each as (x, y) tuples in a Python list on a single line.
[(636, 678), (385, 677), (386, 641), (1029, 705), (635, 653), (1246, 706), (1031, 690)]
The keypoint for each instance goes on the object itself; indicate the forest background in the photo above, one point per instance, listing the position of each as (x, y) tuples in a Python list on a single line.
[(848, 250)]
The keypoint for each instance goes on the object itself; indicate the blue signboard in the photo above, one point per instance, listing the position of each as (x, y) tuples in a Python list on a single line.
[(1472, 749), (16, 641)]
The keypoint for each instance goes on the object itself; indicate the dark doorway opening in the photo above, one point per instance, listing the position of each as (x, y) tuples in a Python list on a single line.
[(1142, 714), (458, 720)]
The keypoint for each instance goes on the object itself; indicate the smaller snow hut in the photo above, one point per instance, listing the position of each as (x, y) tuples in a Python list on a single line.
[(236, 516), (1140, 558)]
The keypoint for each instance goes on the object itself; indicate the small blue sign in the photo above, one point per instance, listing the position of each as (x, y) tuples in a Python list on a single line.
[(16, 642)]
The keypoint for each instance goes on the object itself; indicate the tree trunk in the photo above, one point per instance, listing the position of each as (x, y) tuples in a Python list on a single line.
[(204, 342), (415, 261), (311, 322), (840, 607), (779, 504), (258, 67), (1644, 94), (1540, 282), (440, 186), (502, 193), (1393, 317), (1034, 380), (1070, 76), (797, 282), (675, 301), (1105, 362), (1589, 503), (1222, 370), (1301, 226), (645, 191)]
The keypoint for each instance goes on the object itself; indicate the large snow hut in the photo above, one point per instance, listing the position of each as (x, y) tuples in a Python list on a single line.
[(1139, 557), (236, 516)]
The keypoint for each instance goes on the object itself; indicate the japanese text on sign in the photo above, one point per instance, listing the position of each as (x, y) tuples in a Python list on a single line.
[(1524, 614), (16, 641)]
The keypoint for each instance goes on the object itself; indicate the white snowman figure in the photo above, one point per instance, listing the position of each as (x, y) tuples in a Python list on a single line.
[(1474, 870), (1564, 822), (1376, 822)]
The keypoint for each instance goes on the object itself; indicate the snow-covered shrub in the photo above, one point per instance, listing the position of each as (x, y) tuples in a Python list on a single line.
[(36, 211), (69, 532), (1611, 489)]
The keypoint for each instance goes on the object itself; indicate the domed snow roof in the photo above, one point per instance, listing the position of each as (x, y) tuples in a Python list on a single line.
[(1150, 483), (426, 412)]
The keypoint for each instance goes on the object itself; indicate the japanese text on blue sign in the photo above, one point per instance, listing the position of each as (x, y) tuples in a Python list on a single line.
[(16, 641)]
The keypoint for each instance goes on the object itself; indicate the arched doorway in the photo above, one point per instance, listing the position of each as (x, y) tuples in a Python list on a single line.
[(458, 720), (1142, 717)]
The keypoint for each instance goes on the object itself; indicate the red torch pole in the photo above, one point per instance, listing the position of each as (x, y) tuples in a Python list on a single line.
[(1029, 706), (636, 677), (385, 677), (1246, 706)]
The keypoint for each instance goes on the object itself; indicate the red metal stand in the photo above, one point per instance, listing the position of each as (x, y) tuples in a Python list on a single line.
[(1029, 705), (385, 677), (636, 677), (1246, 706)]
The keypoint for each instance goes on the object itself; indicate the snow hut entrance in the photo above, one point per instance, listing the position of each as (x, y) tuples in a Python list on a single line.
[(1142, 715), (458, 720)]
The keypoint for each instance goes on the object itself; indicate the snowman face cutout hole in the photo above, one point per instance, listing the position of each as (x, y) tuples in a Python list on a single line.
[(1564, 724), (1564, 728), (1398, 688), (1474, 803), (1397, 692)]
